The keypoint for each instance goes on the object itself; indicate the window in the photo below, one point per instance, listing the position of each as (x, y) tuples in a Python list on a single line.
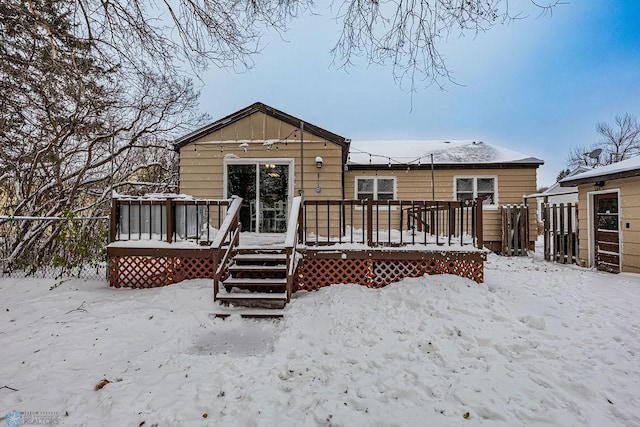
[(375, 188), (468, 188)]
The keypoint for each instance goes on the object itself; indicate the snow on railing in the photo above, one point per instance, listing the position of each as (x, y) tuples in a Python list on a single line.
[(166, 217), (393, 222)]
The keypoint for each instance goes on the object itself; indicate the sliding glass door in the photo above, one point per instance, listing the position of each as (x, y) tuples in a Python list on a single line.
[(264, 188), (242, 181)]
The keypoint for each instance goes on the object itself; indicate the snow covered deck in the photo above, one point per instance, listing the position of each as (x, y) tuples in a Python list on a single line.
[(371, 243)]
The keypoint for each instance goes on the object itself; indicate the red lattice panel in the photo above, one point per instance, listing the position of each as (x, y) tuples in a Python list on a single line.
[(386, 272), (139, 271), (192, 268), (317, 273), (150, 272)]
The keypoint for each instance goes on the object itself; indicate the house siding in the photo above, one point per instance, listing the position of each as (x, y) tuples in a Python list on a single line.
[(201, 160), (629, 189), (512, 184)]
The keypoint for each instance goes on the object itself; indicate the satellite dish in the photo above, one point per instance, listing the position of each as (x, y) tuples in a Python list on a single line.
[(595, 153)]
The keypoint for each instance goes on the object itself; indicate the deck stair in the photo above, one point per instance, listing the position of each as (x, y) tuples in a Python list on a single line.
[(256, 285)]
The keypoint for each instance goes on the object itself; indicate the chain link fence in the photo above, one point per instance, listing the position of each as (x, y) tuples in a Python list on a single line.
[(54, 247)]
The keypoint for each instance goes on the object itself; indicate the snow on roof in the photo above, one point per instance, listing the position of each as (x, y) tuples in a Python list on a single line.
[(444, 152), (623, 166), (556, 189)]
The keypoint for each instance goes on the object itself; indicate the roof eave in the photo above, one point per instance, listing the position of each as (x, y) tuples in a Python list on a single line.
[(575, 181), (427, 166), (254, 108)]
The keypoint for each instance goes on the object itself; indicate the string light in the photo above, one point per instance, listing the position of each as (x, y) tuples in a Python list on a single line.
[(417, 161)]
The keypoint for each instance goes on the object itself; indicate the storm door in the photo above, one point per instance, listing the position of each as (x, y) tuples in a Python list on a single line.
[(264, 188), (607, 232)]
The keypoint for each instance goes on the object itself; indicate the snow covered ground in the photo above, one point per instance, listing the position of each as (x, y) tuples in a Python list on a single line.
[(537, 344)]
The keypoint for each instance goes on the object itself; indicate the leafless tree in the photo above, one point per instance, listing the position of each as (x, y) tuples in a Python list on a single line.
[(93, 91), (617, 142), (74, 125), (408, 35)]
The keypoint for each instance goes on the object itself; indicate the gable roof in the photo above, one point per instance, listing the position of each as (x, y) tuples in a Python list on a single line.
[(263, 108), (464, 153), (624, 169), (557, 189)]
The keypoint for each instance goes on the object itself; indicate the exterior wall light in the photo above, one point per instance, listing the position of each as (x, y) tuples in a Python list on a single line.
[(319, 162)]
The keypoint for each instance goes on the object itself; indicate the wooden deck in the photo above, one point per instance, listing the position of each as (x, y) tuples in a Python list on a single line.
[(317, 267), (262, 271)]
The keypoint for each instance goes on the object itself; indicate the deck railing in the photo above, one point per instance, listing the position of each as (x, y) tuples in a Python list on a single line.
[(392, 222), (372, 223), (229, 234), (294, 231), (167, 218)]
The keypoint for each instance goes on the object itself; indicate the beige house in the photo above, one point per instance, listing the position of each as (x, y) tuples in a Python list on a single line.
[(609, 216), (267, 157)]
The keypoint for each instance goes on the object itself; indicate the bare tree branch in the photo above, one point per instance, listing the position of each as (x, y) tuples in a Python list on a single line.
[(617, 142), (407, 35)]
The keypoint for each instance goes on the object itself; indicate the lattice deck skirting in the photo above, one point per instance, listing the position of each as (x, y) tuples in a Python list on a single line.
[(150, 272), (371, 268), (376, 269)]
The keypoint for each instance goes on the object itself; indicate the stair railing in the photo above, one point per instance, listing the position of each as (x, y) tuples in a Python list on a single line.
[(230, 229), (291, 242)]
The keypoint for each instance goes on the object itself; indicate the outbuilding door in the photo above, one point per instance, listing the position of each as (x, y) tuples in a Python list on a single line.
[(607, 232)]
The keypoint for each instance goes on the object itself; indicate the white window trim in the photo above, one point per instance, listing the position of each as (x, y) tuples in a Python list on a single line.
[(495, 204), (375, 179), (260, 161), (375, 190)]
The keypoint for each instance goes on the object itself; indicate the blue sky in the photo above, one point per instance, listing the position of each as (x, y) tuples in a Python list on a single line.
[(537, 85)]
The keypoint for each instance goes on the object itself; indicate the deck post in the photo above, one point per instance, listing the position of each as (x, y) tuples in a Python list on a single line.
[(479, 236), (169, 208), (451, 213), (113, 221), (433, 226), (369, 222), (302, 228), (216, 261)]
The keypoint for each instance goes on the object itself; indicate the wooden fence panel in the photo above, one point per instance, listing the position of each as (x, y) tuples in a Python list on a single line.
[(515, 230), (561, 232)]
